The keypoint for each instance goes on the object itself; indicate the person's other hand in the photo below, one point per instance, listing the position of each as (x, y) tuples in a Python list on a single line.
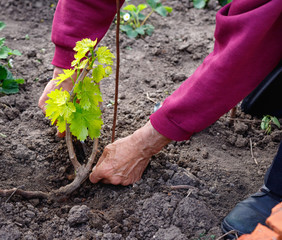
[(66, 85), (124, 161)]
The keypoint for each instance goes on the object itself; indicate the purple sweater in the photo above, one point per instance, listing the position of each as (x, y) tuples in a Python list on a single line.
[(248, 45)]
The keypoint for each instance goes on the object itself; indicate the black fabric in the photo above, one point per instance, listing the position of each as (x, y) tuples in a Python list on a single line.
[(266, 99), (273, 177)]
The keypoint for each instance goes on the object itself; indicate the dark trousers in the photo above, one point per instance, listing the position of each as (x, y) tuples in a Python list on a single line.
[(273, 177)]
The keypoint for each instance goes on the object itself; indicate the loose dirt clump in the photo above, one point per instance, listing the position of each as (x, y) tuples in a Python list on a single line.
[(188, 187)]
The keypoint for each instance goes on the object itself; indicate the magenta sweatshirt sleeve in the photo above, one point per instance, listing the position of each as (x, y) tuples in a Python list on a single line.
[(248, 46), (78, 19)]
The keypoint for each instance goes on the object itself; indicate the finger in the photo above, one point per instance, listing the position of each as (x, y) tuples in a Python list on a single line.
[(114, 180), (105, 154), (42, 104), (94, 176)]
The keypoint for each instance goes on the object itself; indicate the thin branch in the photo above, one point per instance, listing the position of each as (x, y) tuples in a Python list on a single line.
[(117, 70), (71, 150), (93, 154), (23, 193)]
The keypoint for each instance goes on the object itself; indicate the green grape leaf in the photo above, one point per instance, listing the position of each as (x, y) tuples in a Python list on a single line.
[(82, 64), (85, 44), (82, 48), (78, 126), (98, 73), (78, 56), (108, 71), (104, 56), (94, 127), (61, 124), (88, 93), (86, 122), (63, 76), (58, 104)]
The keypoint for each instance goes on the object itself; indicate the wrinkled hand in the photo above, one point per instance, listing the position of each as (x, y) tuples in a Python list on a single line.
[(124, 161), (66, 85)]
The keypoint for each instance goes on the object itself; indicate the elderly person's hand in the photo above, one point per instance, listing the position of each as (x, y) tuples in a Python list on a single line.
[(124, 161)]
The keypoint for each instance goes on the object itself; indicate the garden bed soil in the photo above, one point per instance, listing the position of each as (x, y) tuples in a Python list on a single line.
[(215, 166)]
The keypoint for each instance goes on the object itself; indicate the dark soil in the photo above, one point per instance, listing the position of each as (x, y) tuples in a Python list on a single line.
[(216, 165)]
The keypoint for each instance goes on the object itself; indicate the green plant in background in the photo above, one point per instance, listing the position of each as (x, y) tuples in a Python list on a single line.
[(4, 50), (203, 3), (267, 121), (133, 23), (8, 84), (80, 107)]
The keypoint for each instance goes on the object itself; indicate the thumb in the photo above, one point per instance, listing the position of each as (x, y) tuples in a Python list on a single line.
[(94, 175)]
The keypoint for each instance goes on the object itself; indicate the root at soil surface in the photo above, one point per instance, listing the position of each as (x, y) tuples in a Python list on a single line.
[(82, 172), (56, 195)]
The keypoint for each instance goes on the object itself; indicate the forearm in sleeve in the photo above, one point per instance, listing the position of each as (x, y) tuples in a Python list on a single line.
[(78, 19), (248, 45)]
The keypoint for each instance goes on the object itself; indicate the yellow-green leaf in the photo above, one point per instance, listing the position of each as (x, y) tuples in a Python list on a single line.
[(104, 56), (88, 93), (98, 73), (68, 73)]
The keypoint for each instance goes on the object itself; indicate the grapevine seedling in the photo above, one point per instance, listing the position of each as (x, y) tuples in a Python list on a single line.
[(267, 121), (80, 108), (133, 23), (77, 112)]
